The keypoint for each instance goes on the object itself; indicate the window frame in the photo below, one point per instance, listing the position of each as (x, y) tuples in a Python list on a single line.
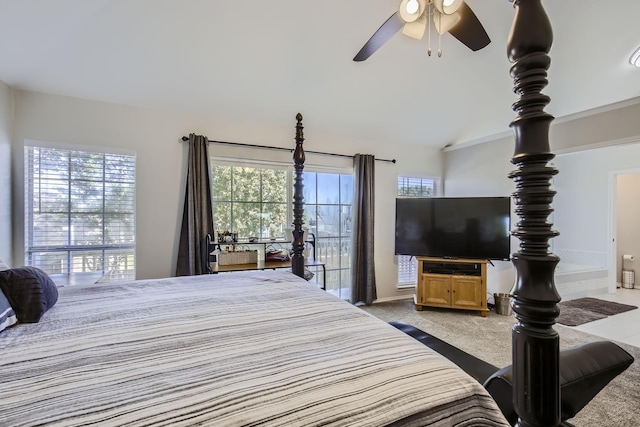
[(343, 292), (309, 168), (70, 271), (229, 162)]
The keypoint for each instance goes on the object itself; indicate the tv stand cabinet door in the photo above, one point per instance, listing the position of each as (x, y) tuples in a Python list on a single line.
[(435, 290), (466, 292)]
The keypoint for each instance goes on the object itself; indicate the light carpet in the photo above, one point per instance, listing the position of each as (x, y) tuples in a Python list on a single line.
[(489, 338)]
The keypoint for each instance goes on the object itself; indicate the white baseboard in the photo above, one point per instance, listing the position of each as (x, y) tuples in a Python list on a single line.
[(396, 298)]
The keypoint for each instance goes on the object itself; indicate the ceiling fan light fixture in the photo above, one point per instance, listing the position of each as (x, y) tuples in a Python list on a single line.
[(635, 58), (416, 28), (463, 25), (411, 10), (412, 6), (444, 22), (447, 7)]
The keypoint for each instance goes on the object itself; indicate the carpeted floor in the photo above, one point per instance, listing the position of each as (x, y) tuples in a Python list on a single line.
[(489, 338)]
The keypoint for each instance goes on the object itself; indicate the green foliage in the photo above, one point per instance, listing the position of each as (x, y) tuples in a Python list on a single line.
[(250, 201)]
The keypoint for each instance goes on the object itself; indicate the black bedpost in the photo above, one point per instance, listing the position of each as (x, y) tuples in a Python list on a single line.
[(535, 298), (297, 246)]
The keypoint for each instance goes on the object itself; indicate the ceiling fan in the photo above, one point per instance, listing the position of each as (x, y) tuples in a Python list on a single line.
[(414, 18)]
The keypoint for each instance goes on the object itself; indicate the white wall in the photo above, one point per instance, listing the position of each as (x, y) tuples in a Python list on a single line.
[(586, 192), (592, 147), (154, 136), (481, 170), (5, 173), (582, 205), (412, 161)]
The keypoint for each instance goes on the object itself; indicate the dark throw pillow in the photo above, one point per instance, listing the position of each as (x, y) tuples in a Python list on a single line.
[(7, 315), (30, 291)]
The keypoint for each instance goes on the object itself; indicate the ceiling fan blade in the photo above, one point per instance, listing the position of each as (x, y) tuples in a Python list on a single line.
[(469, 30), (387, 30)]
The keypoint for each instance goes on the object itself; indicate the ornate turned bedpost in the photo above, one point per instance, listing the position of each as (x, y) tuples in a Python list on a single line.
[(535, 342), (297, 246)]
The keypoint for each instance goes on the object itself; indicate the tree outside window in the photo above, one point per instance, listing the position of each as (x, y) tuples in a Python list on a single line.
[(250, 201), (257, 201)]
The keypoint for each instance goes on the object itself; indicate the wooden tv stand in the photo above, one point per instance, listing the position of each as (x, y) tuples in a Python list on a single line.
[(452, 283)]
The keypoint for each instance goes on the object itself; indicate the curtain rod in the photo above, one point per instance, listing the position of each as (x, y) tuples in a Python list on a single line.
[(186, 138)]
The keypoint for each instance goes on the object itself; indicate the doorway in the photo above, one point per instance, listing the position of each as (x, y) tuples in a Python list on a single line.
[(624, 234)]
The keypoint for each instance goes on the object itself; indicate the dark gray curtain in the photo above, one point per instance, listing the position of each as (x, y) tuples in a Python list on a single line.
[(363, 276), (197, 216)]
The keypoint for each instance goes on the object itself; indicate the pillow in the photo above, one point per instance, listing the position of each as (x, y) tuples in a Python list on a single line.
[(30, 291), (7, 315)]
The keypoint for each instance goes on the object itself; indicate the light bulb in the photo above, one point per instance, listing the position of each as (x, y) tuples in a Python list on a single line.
[(635, 58), (412, 6)]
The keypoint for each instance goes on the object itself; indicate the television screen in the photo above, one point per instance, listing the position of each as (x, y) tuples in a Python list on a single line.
[(454, 227)]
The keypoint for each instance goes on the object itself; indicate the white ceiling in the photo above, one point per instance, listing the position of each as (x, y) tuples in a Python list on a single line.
[(263, 61)]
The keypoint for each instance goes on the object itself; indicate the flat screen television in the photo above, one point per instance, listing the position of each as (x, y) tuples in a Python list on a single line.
[(454, 227)]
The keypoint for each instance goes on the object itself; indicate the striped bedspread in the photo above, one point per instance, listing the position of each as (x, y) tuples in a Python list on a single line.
[(236, 349)]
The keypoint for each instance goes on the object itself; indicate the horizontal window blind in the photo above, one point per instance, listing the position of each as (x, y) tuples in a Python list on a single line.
[(416, 187), (80, 211), (412, 187)]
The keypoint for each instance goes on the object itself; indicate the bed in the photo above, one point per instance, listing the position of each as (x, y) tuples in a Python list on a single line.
[(245, 348), (268, 348)]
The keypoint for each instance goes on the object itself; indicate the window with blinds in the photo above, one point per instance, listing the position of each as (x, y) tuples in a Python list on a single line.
[(80, 212), (416, 187), (413, 187)]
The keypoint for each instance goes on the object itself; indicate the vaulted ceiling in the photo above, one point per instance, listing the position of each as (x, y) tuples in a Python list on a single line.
[(263, 61)]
